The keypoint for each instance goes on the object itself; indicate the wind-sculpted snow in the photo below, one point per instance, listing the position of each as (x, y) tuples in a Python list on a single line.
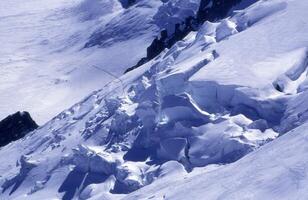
[(212, 98)]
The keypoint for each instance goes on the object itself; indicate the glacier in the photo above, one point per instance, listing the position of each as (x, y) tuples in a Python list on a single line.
[(221, 114)]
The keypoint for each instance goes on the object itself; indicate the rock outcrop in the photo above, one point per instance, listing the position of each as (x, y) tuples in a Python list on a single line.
[(15, 127)]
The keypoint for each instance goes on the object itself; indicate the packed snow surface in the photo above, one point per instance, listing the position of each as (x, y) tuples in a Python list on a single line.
[(170, 128)]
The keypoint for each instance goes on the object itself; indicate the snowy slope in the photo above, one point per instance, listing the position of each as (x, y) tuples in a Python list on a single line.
[(45, 67), (212, 98), (277, 170)]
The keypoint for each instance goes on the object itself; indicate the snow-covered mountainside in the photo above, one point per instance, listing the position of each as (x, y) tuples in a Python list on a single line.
[(181, 125), (53, 53)]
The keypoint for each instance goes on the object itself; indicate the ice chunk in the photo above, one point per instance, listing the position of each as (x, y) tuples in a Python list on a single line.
[(225, 29), (87, 160)]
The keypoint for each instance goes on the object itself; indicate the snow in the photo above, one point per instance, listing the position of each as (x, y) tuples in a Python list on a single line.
[(277, 170), (220, 115), (44, 65), (174, 12)]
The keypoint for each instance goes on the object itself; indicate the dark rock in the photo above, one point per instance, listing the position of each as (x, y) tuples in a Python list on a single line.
[(218, 10), (127, 3), (15, 127)]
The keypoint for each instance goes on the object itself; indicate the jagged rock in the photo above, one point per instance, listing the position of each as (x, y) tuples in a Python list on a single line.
[(127, 3), (15, 127)]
